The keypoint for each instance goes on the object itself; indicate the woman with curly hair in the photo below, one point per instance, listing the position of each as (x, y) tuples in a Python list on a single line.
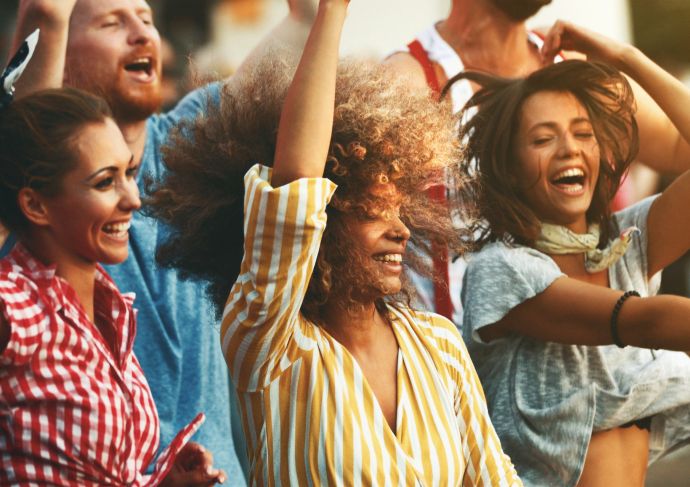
[(561, 316), (340, 382)]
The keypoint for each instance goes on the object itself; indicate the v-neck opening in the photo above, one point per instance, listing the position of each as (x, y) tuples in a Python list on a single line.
[(399, 365)]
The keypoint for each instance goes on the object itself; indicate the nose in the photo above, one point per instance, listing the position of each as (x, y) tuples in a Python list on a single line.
[(568, 146), (129, 197), (140, 32), (398, 231)]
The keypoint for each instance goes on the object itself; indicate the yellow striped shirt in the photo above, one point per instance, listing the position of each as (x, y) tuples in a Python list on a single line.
[(309, 415)]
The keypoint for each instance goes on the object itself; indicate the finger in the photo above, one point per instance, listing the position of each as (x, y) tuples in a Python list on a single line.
[(551, 47), (203, 460), (198, 477), (194, 456), (222, 477), (551, 42)]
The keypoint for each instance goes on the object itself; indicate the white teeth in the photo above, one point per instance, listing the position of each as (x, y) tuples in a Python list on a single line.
[(573, 188), (389, 258), (569, 173), (117, 229)]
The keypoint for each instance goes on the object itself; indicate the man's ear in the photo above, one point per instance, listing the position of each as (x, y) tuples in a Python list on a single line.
[(32, 204)]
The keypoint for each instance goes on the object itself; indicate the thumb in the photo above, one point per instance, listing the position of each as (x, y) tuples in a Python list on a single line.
[(199, 477)]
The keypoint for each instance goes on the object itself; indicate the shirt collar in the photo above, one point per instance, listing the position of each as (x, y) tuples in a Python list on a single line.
[(57, 289)]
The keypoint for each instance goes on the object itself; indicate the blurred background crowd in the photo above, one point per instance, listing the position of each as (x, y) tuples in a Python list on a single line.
[(213, 36), (205, 39)]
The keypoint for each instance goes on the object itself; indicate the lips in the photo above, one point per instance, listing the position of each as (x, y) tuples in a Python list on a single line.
[(119, 231), (142, 68), (571, 180), (390, 258)]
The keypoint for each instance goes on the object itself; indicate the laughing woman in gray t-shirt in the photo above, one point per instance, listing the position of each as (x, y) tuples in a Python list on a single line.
[(561, 316)]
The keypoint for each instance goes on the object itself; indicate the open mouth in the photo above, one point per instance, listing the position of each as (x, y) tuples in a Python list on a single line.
[(569, 180), (141, 67)]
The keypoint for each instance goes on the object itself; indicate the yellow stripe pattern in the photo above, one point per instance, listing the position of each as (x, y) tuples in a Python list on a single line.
[(309, 415)]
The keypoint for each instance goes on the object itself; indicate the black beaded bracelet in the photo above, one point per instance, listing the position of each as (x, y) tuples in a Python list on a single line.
[(614, 316)]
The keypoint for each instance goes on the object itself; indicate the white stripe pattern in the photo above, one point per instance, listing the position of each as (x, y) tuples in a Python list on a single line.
[(308, 412)]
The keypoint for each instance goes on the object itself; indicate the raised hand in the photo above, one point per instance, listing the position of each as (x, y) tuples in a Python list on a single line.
[(570, 37), (47, 67), (50, 12)]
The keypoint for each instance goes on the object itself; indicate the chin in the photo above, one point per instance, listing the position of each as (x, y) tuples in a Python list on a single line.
[(136, 104), (113, 258), (390, 287)]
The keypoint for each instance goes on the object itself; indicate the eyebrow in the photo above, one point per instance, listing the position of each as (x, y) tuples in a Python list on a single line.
[(553, 125), (107, 169), (141, 10)]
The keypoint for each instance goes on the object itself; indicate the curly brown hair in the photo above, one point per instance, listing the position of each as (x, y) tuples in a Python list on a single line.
[(382, 132), (500, 209)]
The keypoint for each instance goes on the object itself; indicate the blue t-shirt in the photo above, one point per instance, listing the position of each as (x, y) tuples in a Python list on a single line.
[(177, 341)]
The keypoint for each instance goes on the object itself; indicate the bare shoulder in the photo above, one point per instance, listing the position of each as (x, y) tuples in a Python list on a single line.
[(404, 64)]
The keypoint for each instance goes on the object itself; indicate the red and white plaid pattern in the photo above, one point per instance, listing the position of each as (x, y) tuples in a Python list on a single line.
[(72, 412)]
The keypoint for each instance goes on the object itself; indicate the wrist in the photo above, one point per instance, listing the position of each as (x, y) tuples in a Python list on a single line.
[(333, 7), (626, 57)]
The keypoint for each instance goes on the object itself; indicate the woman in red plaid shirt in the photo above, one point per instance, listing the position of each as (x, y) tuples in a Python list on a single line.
[(75, 408)]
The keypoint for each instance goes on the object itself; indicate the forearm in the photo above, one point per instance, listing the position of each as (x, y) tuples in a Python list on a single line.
[(46, 69), (664, 122), (656, 322), (307, 118), (578, 313), (667, 91)]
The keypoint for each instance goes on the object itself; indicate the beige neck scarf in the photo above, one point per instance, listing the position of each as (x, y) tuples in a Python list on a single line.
[(559, 240)]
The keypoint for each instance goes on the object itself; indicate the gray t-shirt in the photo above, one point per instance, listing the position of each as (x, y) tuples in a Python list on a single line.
[(546, 399)]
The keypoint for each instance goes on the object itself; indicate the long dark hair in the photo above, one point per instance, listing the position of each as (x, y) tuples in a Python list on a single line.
[(488, 138)]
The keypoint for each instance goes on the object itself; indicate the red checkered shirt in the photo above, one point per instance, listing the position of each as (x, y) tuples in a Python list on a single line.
[(72, 412)]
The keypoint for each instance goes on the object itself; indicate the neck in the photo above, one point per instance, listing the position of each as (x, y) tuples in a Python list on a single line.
[(356, 328), (487, 40), (135, 136), (80, 274), (579, 226)]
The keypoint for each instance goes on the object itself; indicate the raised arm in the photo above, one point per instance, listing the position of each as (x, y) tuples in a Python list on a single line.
[(306, 122), (47, 67), (264, 305)]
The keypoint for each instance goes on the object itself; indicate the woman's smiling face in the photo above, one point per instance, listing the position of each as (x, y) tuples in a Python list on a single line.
[(381, 238), (558, 158), (91, 215)]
